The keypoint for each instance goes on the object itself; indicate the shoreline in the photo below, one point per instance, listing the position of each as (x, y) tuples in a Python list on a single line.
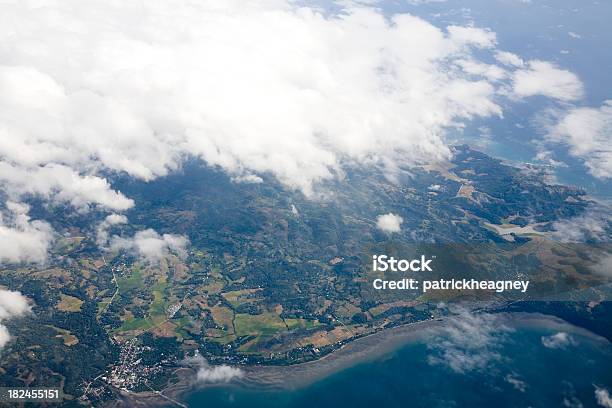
[(363, 349), (287, 377)]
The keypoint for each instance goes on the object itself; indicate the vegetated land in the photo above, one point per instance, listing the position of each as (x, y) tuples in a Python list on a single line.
[(262, 283)]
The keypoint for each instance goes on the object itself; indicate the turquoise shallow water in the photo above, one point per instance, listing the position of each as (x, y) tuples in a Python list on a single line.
[(501, 368)]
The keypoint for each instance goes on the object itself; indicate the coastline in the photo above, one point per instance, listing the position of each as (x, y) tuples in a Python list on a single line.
[(363, 349), (293, 376)]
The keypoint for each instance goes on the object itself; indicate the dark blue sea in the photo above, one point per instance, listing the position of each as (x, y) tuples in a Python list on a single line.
[(483, 362)]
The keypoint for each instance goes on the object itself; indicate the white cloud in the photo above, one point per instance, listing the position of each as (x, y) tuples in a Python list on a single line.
[(22, 240), (468, 341), (603, 266), (547, 156), (291, 91), (216, 374), (389, 222), (473, 36), (517, 383), (572, 402), (602, 395), (61, 183), (544, 78), (207, 373), (150, 245), (574, 35), (105, 225), (588, 134), (263, 87), (248, 179), (558, 341), (489, 71), (592, 225), (115, 219), (12, 304), (508, 58)]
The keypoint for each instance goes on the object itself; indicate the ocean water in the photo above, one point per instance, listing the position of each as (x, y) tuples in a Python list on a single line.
[(522, 366)]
